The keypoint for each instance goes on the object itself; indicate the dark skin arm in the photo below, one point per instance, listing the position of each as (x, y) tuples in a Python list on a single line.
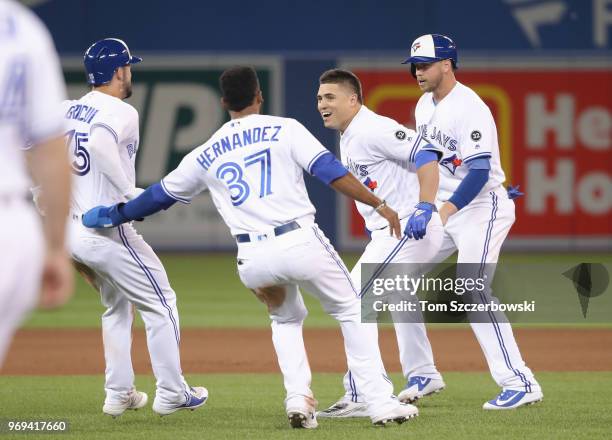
[(353, 188)]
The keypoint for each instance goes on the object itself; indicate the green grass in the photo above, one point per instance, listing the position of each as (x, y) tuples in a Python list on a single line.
[(210, 294), (576, 405)]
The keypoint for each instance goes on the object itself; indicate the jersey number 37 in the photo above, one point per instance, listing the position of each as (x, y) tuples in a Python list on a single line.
[(232, 174)]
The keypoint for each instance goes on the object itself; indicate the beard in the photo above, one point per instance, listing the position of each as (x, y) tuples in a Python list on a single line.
[(127, 86)]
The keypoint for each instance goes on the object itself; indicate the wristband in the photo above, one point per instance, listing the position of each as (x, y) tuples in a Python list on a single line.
[(382, 206)]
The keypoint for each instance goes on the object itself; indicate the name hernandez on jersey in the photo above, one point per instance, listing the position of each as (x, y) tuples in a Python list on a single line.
[(464, 126), (92, 183), (380, 152), (253, 167)]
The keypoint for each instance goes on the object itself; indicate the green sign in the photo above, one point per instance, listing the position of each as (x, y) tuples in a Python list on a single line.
[(178, 102)]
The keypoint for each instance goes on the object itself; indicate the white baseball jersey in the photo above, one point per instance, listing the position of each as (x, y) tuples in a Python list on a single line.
[(124, 268), (253, 167), (31, 89), (119, 122), (380, 153), (463, 124)]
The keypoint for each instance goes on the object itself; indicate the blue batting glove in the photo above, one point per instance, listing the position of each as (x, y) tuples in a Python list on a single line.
[(103, 217), (417, 223), (513, 192)]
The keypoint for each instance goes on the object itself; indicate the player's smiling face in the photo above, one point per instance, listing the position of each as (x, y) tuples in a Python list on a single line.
[(429, 75), (337, 104)]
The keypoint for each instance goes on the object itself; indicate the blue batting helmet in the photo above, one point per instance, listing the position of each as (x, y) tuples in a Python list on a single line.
[(431, 48), (104, 57)]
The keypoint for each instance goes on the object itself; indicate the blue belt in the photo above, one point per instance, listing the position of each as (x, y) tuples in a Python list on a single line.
[(279, 230)]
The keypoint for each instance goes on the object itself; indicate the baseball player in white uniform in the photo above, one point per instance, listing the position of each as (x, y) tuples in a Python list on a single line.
[(102, 138), (473, 205), (31, 89), (399, 166), (253, 167)]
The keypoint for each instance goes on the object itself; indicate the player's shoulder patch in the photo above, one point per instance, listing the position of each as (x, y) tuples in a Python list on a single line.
[(476, 135), (400, 134)]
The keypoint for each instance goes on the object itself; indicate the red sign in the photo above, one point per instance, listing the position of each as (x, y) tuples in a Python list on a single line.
[(555, 137)]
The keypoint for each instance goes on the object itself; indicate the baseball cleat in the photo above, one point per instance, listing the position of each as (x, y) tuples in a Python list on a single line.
[(420, 386), (301, 412), (345, 409), (302, 418), (510, 399), (135, 400), (399, 415), (196, 398)]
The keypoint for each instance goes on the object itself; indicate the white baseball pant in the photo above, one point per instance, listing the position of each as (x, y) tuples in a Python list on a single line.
[(127, 272), (415, 352), (304, 258), (478, 232)]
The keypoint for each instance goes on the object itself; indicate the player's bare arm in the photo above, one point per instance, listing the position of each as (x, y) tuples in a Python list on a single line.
[(429, 177), (353, 188), (446, 210), (49, 167)]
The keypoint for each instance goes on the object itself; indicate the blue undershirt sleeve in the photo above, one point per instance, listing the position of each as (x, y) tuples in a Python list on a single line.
[(470, 186), (153, 200), (327, 168)]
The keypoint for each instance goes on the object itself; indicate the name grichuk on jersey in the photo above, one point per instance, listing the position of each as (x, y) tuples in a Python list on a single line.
[(380, 152), (464, 126), (99, 111), (253, 167), (31, 89)]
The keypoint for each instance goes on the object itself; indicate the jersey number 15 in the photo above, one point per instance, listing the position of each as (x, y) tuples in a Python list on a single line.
[(231, 173), (76, 141)]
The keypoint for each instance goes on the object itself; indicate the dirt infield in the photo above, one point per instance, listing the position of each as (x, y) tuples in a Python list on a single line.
[(51, 352)]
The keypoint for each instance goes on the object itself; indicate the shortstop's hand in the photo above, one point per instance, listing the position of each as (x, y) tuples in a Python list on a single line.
[(417, 223)]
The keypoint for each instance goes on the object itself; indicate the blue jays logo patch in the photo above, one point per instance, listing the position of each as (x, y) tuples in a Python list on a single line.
[(451, 163), (371, 184)]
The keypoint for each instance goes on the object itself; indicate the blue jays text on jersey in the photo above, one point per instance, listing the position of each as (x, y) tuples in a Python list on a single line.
[(247, 137), (356, 169), (361, 171), (435, 134)]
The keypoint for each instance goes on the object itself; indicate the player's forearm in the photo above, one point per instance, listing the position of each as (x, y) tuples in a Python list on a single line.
[(353, 188), (446, 210), (472, 183), (331, 172), (429, 178), (151, 201), (49, 168)]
